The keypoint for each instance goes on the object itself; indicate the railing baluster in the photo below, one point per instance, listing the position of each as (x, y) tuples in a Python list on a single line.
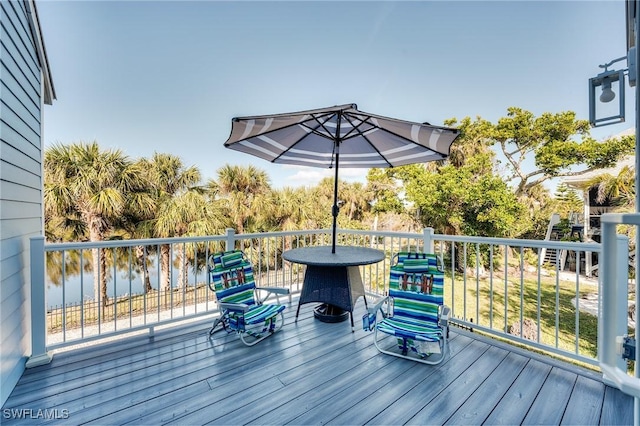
[(99, 290), (577, 318), (521, 291), (453, 279), (539, 294), (115, 291), (491, 286), (557, 304), (464, 282), (506, 288), (160, 283), (64, 294), (131, 288), (82, 318), (478, 283)]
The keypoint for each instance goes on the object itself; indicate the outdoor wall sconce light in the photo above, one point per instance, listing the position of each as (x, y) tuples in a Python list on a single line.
[(602, 115)]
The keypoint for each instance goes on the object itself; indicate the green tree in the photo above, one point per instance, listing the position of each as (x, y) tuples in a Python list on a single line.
[(384, 191), (550, 140), (458, 201), (290, 208), (92, 188), (567, 200), (322, 199), (538, 207), (620, 189), (244, 189), (355, 201), (186, 214), (180, 209)]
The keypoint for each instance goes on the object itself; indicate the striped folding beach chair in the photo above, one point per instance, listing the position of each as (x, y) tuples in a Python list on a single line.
[(415, 314), (241, 311)]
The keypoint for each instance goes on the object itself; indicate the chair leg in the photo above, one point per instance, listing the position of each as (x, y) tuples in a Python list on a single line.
[(401, 354), (297, 311), (219, 320), (264, 335)]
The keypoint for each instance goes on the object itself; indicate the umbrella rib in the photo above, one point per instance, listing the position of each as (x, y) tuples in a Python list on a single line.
[(322, 124), (311, 129), (358, 132), (410, 140), (330, 110)]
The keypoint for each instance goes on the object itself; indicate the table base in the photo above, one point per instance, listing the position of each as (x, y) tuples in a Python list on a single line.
[(330, 313), (332, 278)]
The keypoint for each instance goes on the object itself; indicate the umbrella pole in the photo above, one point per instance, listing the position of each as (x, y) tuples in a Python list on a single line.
[(335, 209)]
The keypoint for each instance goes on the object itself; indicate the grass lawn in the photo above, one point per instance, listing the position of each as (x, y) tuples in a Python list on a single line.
[(483, 302)]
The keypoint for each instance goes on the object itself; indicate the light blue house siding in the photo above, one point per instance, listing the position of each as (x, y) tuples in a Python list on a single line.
[(25, 85)]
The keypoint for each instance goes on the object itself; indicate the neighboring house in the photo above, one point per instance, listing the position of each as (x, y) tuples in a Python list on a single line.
[(592, 210), (25, 86)]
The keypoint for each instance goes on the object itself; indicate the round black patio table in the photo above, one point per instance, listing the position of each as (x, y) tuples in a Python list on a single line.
[(332, 278)]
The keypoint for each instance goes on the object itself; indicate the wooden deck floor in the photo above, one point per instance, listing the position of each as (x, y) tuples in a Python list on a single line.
[(308, 373)]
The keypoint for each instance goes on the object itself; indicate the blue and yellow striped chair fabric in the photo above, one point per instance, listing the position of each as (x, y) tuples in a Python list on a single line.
[(233, 281), (417, 298), (417, 259), (416, 288)]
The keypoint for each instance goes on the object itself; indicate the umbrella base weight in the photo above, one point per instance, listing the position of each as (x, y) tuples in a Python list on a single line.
[(330, 313)]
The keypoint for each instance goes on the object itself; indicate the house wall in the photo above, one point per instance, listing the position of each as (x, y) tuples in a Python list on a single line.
[(21, 182)]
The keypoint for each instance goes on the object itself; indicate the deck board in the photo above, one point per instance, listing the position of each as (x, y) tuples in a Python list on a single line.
[(615, 410), (309, 373), (477, 407), (585, 405), (515, 404), (549, 406), (400, 406), (447, 402)]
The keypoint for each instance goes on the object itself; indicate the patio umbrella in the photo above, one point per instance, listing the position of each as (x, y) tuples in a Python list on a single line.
[(339, 136)]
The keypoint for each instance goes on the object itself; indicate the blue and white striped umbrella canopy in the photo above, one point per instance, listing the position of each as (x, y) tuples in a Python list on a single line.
[(322, 137), (339, 136)]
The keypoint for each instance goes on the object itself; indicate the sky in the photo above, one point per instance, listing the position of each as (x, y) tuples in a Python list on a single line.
[(163, 76)]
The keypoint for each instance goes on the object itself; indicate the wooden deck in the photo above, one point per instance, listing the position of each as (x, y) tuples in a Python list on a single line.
[(309, 372)]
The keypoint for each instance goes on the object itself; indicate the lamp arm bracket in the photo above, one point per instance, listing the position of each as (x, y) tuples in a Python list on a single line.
[(608, 64)]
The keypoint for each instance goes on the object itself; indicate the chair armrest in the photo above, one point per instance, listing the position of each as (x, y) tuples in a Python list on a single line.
[(378, 305), (275, 290), (369, 319), (242, 307), (443, 320)]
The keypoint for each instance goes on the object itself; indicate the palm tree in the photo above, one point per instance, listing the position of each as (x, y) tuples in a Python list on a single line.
[(174, 187), (84, 183), (136, 224), (355, 200), (619, 189), (243, 188), (291, 208), (186, 214)]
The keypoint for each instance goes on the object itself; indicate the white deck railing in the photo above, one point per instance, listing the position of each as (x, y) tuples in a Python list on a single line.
[(491, 284)]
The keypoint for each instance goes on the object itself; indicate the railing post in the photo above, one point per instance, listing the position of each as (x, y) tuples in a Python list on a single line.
[(622, 295), (613, 295), (427, 235), (231, 239), (39, 355)]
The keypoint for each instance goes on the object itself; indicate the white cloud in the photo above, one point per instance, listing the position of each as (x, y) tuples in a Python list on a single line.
[(308, 176)]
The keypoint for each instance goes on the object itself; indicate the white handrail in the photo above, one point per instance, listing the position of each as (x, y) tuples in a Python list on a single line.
[(463, 254)]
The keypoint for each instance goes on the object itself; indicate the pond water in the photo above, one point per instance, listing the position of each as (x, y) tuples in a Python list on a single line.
[(80, 287)]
